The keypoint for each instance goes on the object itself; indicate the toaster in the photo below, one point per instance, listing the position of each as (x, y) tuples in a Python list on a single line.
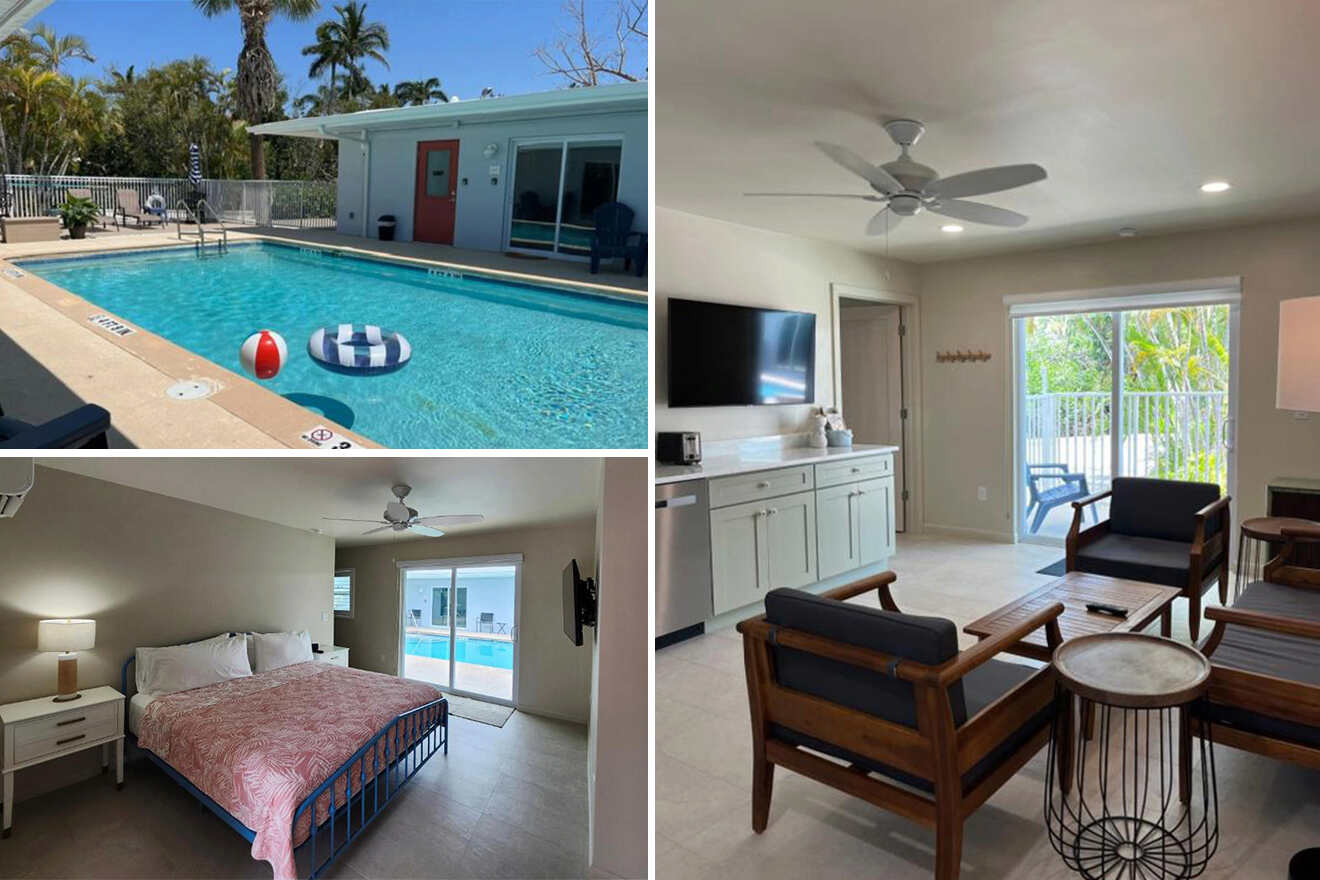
[(677, 447)]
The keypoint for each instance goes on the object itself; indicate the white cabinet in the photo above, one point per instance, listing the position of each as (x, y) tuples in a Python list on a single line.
[(875, 520), (332, 654), (854, 525), (760, 546)]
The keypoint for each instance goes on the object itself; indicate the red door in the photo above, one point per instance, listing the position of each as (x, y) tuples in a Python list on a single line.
[(437, 191)]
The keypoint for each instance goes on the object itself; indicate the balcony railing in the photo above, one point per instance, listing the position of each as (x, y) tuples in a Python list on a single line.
[(1172, 434), (303, 204)]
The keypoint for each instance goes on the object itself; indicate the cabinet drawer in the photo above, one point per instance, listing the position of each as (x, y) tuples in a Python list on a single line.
[(762, 484), (67, 730), (852, 470)]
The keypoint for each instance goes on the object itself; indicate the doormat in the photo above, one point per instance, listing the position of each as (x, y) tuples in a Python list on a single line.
[(479, 710), (1055, 568)]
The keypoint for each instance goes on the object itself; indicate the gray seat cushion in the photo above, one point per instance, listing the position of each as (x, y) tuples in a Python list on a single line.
[(1152, 560), (1292, 658), (1164, 509), (982, 686)]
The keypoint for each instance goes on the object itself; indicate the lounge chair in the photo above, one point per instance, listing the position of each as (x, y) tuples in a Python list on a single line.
[(1050, 485), (921, 729), (1264, 651), (83, 428), (1169, 532), (129, 204), (614, 237), (86, 193)]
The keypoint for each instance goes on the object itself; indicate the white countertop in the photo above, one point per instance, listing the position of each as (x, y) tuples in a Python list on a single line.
[(762, 459)]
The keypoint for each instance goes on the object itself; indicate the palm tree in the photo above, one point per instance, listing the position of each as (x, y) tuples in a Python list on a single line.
[(52, 50), (258, 82), (421, 91), (344, 43)]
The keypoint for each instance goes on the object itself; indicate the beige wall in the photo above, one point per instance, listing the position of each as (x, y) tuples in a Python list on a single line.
[(553, 675), (967, 423), (701, 258), (617, 738), (150, 570)]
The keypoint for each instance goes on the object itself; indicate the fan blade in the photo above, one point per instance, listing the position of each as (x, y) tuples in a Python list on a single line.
[(985, 180), (383, 528), (976, 212), (424, 530), (345, 519), (872, 174), (883, 222), (452, 519), (819, 196)]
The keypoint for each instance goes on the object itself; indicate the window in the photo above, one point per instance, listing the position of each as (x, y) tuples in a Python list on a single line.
[(343, 592), (557, 188)]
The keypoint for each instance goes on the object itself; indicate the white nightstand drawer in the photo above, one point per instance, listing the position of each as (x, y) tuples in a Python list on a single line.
[(67, 730)]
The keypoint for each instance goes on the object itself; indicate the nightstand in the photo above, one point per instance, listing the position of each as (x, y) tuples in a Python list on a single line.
[(332, 654), (36, 731)]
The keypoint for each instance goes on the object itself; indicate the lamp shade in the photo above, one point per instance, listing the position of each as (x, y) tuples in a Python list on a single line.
[(66, 634), (1299, 354)]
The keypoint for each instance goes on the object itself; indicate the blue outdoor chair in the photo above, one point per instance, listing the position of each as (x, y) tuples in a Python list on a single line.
[(614, 237), (83, 428)]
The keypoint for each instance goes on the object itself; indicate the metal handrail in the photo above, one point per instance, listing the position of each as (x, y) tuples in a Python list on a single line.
[(202, 208), (178, 224), (198, 218)]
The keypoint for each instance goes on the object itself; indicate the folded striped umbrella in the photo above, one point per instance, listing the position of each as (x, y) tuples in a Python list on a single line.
[(194, 165)]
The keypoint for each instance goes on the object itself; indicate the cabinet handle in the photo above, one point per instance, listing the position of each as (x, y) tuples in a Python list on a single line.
[(60, 742), (70, 721), (773, 511), (763, 484), (856, 470)]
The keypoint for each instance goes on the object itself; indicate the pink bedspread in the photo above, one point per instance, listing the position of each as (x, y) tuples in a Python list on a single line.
[(258, 746)]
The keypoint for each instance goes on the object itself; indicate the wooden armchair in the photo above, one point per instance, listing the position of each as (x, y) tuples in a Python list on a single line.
[(1167, 532), (1264, 692), (914, 725)]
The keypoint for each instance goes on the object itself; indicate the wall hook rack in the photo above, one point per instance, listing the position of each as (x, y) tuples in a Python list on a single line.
[(961, 356)]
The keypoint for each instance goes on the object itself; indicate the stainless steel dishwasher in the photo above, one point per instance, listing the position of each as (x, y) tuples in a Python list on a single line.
[(682, 560)]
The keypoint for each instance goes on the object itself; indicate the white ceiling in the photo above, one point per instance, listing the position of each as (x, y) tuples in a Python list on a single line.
[(1128, 104), (297, 492)]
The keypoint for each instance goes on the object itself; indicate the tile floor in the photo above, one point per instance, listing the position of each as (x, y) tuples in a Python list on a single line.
[(506, 803), (703, 768)]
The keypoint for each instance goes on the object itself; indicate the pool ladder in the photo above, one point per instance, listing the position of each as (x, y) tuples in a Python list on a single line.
[(221, 246)]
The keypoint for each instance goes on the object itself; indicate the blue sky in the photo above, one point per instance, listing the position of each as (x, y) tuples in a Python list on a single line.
[(468, 44)]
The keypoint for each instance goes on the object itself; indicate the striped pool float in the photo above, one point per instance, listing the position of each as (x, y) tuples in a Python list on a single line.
[(359, 349)]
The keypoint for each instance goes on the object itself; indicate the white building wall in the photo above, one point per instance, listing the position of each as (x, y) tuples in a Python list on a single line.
[(493, 595), (484, 201)]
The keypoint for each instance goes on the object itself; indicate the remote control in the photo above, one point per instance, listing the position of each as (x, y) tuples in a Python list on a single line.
[(1111, 610)]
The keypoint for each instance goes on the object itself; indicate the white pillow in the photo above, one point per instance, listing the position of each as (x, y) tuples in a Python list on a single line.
[(184, 667), (274, 650)]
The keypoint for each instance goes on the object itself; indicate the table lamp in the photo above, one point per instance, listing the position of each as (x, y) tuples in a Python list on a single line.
[(1299, 355), (67, 636)]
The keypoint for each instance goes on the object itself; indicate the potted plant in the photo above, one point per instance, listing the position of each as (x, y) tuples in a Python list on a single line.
[(78, 214)]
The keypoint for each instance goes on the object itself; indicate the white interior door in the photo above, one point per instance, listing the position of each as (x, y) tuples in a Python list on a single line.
[(872, 374)]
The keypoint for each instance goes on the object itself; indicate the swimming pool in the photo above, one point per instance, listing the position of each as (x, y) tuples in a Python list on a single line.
[(482, 652), (494, 364)]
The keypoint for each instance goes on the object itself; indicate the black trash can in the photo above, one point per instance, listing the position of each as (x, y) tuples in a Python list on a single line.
[(385, 227)]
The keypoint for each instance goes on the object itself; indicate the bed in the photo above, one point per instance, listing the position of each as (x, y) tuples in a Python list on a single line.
[(299, 758)]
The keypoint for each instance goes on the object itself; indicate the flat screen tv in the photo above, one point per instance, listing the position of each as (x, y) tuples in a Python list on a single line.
[(726, 355), (579, 602)]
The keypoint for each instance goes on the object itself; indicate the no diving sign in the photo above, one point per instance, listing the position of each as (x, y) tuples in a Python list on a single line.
[(322, 437)]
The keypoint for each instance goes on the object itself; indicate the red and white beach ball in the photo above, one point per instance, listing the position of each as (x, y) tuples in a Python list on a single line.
[(263, 354)]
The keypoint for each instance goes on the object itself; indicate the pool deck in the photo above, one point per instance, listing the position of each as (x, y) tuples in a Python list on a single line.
[(470, 677), (53, 358)]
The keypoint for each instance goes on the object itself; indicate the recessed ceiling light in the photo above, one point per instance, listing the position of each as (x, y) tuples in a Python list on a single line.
[(1215, 186), (951, 227)]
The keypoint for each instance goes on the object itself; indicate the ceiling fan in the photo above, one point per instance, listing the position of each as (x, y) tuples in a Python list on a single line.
[(401, 518), (905, 187)]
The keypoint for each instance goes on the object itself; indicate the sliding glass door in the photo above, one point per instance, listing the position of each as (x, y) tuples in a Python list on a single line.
[(557, 187), (459, 627), (1138, 392)]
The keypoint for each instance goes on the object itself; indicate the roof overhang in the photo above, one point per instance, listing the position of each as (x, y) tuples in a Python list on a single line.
[(16, 13), (621, 97)]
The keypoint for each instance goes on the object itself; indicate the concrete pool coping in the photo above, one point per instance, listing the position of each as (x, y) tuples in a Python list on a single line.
[(129, 374)]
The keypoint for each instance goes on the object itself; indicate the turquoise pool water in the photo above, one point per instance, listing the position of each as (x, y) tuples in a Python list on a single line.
[(494, 365), (482, 652)]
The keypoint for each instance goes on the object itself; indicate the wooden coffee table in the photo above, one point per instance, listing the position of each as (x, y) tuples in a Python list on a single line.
[(1144, 602)]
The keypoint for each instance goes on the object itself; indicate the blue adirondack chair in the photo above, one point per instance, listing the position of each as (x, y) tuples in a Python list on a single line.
[(82, 428), (614, 237)]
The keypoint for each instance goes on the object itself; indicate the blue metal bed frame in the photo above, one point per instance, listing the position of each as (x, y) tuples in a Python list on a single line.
[(427, 735)]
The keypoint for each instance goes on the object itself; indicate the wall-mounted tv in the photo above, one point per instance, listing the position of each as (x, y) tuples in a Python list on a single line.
[(579, 602), (727, 355)]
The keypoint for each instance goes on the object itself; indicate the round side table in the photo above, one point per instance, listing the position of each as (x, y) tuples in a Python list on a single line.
[(1139, 798), (1254, 539)]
